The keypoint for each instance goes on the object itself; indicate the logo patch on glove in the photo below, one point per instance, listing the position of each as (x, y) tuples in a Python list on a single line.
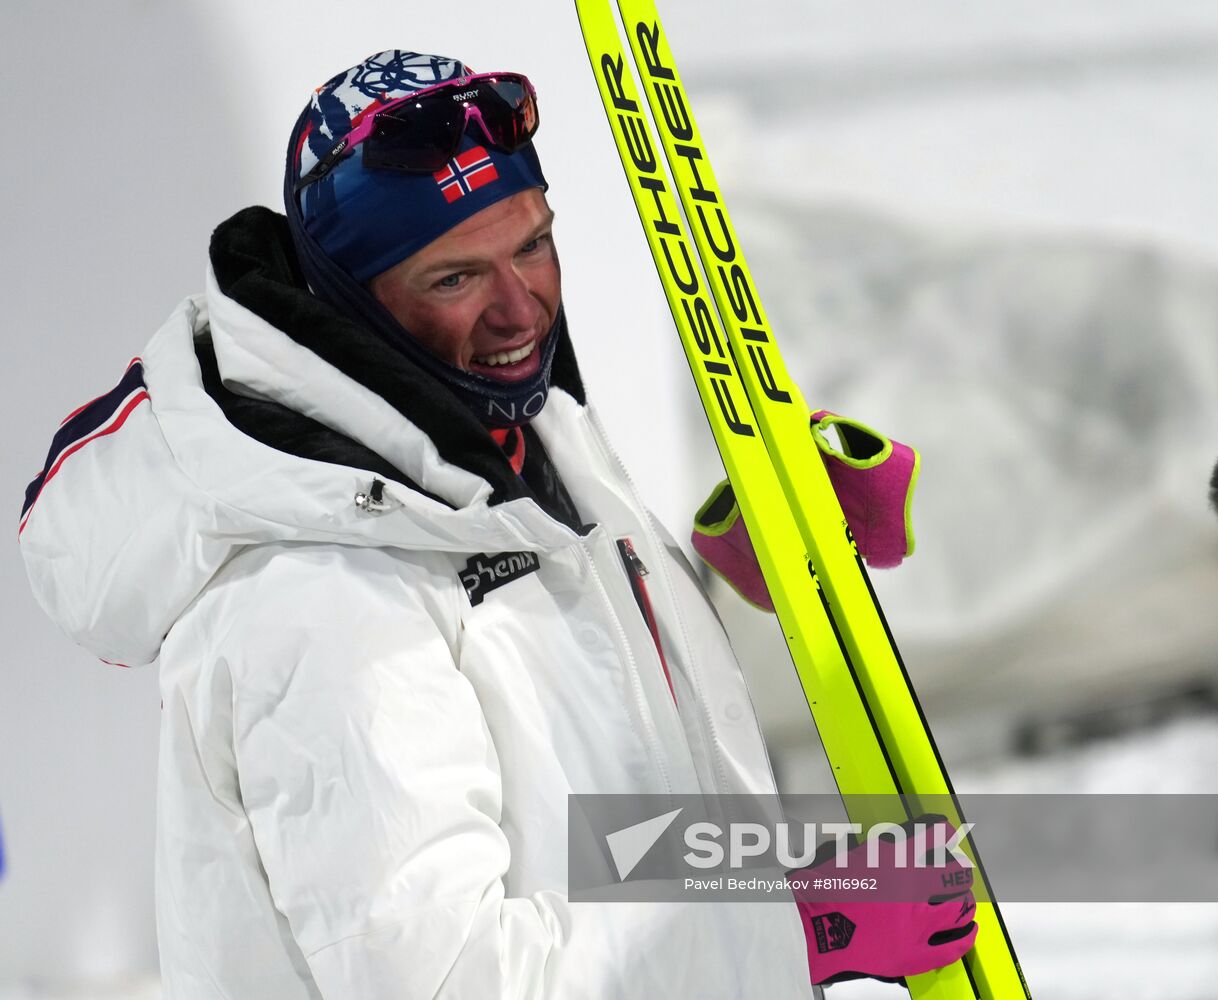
[(483, 573), (833, 931)]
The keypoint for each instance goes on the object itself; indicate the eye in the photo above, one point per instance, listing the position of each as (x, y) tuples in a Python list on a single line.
[(450, 280), (534, 243)]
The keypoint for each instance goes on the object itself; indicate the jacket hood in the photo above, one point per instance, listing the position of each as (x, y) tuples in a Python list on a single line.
[(257, 414)]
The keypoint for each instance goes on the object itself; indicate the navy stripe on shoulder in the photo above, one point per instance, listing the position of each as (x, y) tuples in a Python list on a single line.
[(82, 423), (32, 491)]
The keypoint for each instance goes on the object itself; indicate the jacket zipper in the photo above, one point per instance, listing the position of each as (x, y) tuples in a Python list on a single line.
[(702, 712), (636, 572), (646, 715)]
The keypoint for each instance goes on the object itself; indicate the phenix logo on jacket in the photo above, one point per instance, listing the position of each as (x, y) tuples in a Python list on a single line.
[(365, 755)]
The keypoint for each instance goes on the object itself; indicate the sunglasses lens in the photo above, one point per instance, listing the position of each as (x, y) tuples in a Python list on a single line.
[(416, 138), (509, 111), (420, 136)]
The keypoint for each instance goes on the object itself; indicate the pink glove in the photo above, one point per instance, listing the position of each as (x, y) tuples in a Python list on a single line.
[(850, 937), (874, 479)]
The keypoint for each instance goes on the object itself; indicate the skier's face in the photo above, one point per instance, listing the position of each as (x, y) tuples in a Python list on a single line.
[(487, 288)]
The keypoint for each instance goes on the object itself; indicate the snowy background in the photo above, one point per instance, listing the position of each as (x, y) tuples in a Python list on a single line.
[(990, 229)]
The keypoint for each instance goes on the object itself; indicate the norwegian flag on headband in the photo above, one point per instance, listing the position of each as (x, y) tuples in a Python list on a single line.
[(466, 172)]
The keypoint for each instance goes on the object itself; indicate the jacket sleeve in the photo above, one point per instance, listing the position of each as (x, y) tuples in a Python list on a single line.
[(373, 789)]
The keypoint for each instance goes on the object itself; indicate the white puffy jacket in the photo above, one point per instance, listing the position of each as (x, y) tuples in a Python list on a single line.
[(364, 773)]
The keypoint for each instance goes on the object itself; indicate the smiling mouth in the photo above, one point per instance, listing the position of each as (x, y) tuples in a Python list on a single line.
[(507, 357)]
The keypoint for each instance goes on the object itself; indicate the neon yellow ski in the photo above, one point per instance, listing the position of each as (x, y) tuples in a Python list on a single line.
[(861, 700)]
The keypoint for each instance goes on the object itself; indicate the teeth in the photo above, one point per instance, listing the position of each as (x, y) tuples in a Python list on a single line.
[(508, 357)]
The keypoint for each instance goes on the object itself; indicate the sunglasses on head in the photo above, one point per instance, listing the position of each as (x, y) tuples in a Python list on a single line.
[(419, 133)]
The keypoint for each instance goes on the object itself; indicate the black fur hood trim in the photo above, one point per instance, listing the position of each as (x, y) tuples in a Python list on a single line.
[(255, 265)]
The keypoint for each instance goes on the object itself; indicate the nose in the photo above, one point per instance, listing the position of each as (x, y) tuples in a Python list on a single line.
[(512, 308)]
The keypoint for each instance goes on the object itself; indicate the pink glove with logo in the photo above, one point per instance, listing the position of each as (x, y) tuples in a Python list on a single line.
[(873, 477), (851, 937)]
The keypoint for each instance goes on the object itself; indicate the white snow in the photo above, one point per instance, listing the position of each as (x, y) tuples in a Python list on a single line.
[(1090, 951)]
